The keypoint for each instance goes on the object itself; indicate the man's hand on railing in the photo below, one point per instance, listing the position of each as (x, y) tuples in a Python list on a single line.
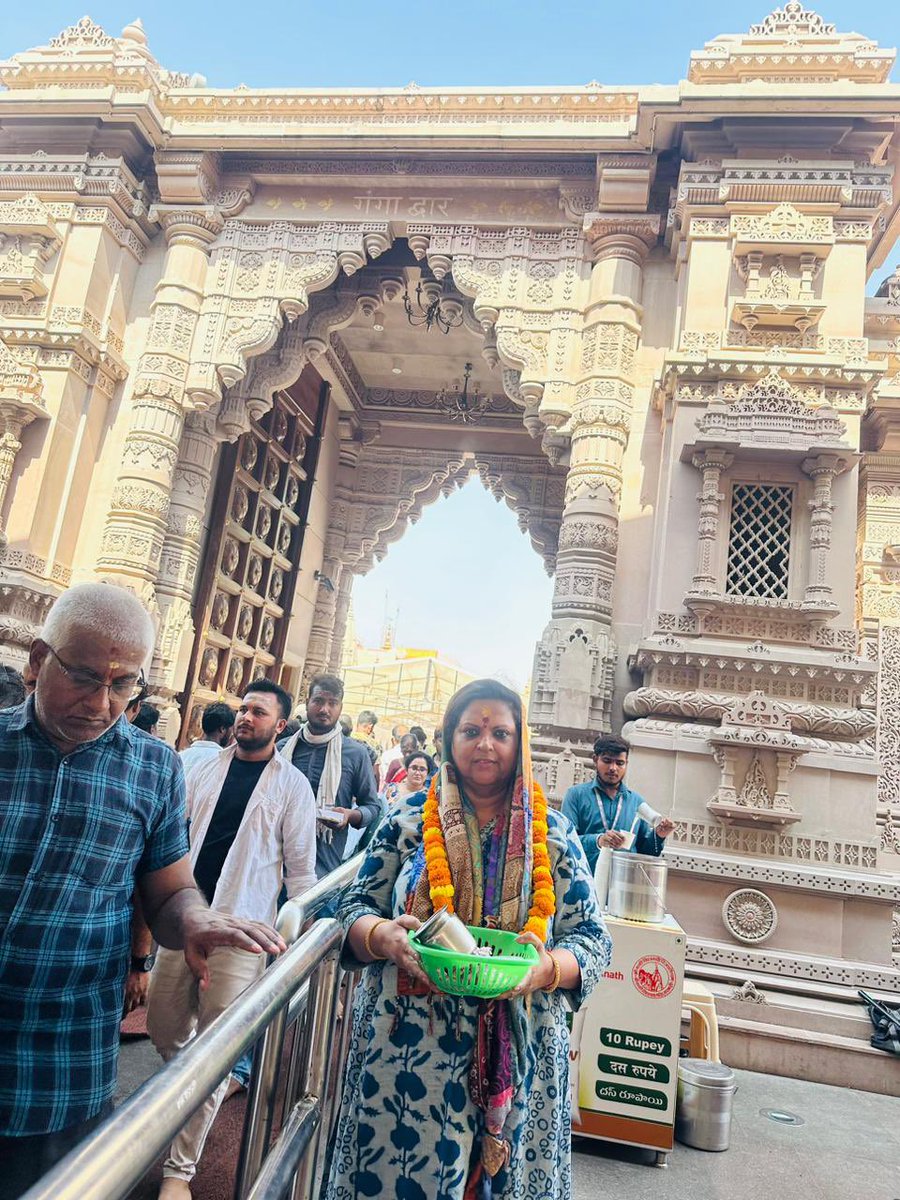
[(204, 930)]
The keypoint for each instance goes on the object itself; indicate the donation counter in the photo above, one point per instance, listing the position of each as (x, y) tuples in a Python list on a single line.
[(625, 1041)]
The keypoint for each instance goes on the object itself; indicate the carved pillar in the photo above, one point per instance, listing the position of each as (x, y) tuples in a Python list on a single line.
[(822, 470), (138, 519), (318, 652), (20, 404), (575, 660), (341, 612), (191, 484), (711, 463)]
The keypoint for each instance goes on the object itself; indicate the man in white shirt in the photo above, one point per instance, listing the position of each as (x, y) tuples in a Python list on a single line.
[(218, 731), (393, 754), (253, 823)]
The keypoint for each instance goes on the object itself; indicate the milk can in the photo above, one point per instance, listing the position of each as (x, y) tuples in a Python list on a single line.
[(637, 887), (703, 1108)]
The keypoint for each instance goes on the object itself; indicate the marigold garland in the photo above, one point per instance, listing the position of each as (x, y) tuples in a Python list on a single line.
[(440, 881)]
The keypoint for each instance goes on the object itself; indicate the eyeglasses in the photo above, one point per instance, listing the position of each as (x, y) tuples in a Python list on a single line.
[(127, 688)]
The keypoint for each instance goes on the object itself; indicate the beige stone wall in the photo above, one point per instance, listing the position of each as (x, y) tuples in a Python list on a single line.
[(669, 307)]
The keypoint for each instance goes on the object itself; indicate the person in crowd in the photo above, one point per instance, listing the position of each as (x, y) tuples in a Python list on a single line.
[(471, 1098), (12, 687), (393, 754), (217, 723), (438, 743), (419, 734), (418, 768), (91, 808), (291, 727), (338, 769), (365, 733), (133, 707), (604, 810), (408, 745), (147, 719), (346, 725), (253, 823)]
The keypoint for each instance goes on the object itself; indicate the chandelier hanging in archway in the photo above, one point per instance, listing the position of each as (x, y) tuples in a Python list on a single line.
[(432, 308), (460, 403)]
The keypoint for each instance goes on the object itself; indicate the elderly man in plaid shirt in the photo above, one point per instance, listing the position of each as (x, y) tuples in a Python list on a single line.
[(90, 807)]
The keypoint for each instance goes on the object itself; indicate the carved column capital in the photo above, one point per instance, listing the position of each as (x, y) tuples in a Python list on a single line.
[(195, 226), (622, 235), (714, 456)]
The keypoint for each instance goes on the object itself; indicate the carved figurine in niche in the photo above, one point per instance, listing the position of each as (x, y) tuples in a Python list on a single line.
[(779, 285)]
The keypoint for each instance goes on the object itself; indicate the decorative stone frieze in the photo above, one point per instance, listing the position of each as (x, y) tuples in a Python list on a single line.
[(852, 724)]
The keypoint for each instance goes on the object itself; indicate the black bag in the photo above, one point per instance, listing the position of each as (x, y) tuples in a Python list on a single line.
[(886, 1019)]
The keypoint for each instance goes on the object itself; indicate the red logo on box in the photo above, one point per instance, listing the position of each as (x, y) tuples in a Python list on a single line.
[(653, 976)]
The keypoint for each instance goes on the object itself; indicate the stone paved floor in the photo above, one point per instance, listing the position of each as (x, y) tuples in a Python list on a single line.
[(847, 1149)]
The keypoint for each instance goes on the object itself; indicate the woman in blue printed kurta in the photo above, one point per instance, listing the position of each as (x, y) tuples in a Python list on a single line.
[(409, 1127)]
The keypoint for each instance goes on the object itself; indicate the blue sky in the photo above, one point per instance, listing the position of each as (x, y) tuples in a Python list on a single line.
[(464, 580), (361, 43), (469, 545)]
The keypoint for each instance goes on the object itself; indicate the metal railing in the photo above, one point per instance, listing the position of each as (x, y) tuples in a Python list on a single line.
[(116, 1156)]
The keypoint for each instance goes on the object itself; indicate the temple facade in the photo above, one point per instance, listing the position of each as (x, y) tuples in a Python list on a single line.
[(241, 333)]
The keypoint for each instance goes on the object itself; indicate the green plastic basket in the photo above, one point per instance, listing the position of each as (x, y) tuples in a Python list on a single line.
[(471, 975)]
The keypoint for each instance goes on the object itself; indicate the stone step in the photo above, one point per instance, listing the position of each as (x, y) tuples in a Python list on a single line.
[(820, 1057)]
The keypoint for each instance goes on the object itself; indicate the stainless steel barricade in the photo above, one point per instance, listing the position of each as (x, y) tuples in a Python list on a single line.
[(114, 1158)]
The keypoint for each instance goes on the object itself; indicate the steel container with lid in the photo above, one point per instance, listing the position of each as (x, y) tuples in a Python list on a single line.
[(446, 931), (637, 887), (703, 1107)]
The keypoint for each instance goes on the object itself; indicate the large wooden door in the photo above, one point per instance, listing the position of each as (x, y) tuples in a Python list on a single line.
[(257, 523)]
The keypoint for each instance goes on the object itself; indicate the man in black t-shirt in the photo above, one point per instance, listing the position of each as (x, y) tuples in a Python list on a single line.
[(253, 823)]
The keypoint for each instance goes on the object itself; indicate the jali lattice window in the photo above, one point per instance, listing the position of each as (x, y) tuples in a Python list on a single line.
[(759, 542)]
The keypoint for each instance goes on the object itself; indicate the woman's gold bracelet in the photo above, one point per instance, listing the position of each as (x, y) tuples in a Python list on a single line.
[(368, 941), (557, 972)]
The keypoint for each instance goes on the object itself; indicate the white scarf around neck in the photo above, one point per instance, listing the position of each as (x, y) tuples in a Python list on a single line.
[(330, 779)]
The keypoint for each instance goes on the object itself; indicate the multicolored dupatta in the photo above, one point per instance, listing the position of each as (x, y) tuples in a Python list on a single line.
[(497, 893)]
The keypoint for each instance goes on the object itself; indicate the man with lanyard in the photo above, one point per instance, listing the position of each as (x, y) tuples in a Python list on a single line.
[(339, 770), (604, 810), (252, 825)]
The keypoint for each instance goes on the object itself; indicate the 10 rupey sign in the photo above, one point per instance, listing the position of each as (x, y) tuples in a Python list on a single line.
[(627, 1055)]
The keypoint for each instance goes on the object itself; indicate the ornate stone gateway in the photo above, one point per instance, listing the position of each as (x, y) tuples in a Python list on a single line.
[(694, 416)]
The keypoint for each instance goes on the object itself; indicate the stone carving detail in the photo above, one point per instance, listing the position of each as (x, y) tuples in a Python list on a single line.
[(771, 412), (755, 792), (784, 225), (792, 45), (792, 21), (753, 731), (749, 916), (748, 993), (262, 273), (28, 239)]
